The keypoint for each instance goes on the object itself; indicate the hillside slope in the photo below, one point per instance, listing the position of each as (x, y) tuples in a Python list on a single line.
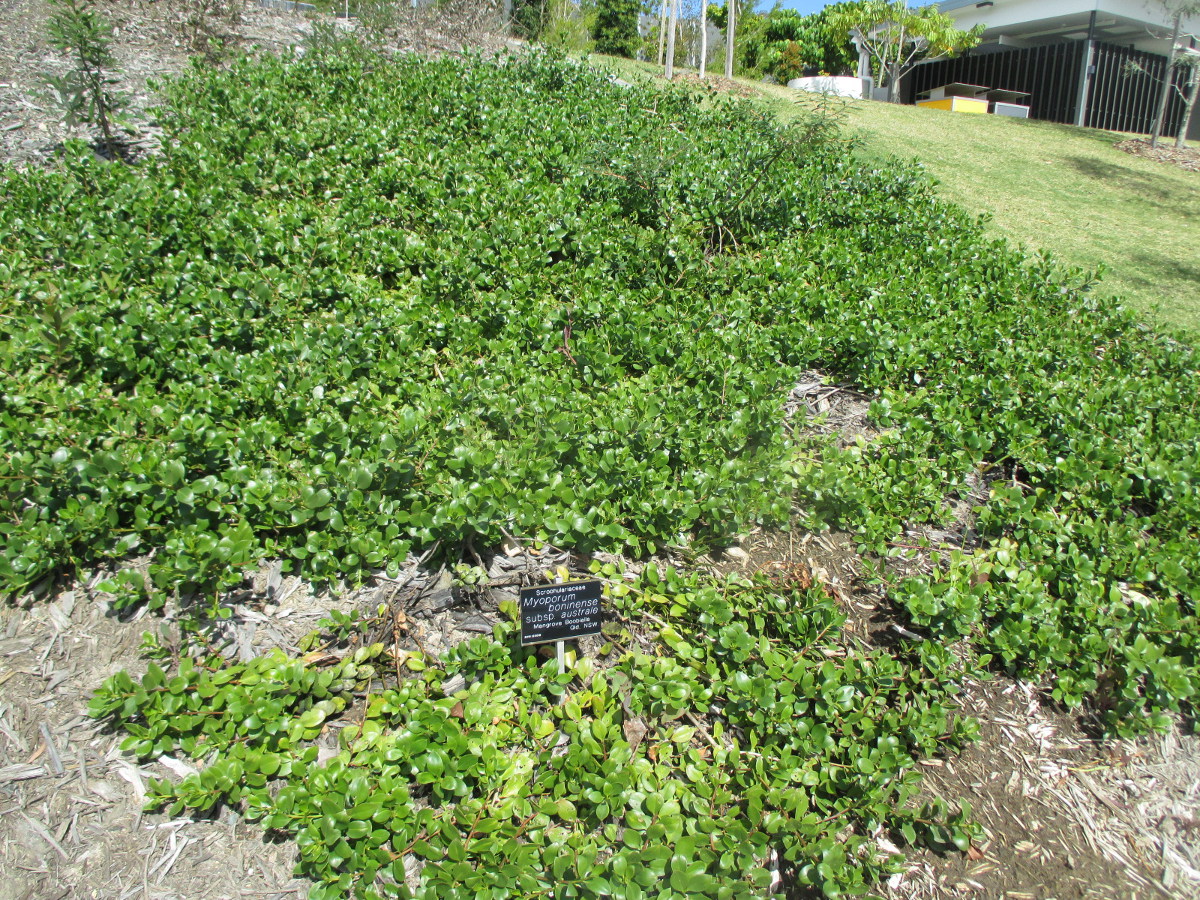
[(360, 308), (1061, 189), (1054, 188)]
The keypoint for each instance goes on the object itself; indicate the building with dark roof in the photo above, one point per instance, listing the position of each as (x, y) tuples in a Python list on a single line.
[(1097, 64)]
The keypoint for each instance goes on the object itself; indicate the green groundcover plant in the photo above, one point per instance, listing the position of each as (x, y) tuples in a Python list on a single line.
[(766, 750), (360, 306)]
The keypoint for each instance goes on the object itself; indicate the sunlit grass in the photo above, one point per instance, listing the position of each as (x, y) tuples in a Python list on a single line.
[(1047, 187)]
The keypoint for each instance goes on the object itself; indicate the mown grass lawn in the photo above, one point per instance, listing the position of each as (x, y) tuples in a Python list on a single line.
[(1047, 187)]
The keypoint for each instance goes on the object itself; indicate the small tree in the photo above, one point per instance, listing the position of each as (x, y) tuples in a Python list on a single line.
[(1192, 61), (203, 24), (375, 19), (1183, 77), (1176, 10), (617, 27), (87, 93), (897, 38), (566, 28)]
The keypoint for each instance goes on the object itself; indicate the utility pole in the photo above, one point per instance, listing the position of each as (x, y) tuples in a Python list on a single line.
[(662, 28), (671, 39), (730, 25)]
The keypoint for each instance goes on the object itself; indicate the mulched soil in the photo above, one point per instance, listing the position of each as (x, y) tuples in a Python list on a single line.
[(1186, 157), (1067, 816), (147, 44), (717, 83), (71, 823), (150, 43)]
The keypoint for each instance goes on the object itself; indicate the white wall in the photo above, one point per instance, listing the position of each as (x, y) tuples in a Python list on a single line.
[(1004, 13), (840, 85), (1016, 12)]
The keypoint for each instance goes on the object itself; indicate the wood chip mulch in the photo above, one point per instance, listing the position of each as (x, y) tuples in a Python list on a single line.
[(717, 83), (1186, 158)]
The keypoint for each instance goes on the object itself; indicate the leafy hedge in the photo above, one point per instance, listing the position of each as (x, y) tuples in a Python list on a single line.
[(358, 306)]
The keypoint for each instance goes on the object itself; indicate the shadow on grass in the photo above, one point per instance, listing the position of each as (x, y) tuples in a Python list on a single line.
[(1182, 270), (1157, 188), (1106, 139), (1176, 311)]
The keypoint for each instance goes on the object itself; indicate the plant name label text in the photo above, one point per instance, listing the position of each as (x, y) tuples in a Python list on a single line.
[(560, 612)]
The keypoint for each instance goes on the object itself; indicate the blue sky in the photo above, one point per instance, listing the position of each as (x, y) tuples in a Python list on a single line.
[(804, 6)]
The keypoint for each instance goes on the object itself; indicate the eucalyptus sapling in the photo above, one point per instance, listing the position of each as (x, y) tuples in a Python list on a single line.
[(87, 92)]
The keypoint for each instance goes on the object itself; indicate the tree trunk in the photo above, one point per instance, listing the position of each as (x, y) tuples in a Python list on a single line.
[(1190, 109), (703, 36), (1165, 90), (671, 39), (662, 28), (894, 67), (730, 27), (95, 89)]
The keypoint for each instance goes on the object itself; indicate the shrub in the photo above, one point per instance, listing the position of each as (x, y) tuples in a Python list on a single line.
[(786, 43), (566, 29)]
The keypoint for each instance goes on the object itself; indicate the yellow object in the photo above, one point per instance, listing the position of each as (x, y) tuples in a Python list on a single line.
[(957, 104)]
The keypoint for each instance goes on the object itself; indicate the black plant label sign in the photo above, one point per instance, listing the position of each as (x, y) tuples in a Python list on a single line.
[(560, 612)]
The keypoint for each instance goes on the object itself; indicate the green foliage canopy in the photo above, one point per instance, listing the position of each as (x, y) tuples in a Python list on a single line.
[(787, 43), (898, 37), (616, 30)]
